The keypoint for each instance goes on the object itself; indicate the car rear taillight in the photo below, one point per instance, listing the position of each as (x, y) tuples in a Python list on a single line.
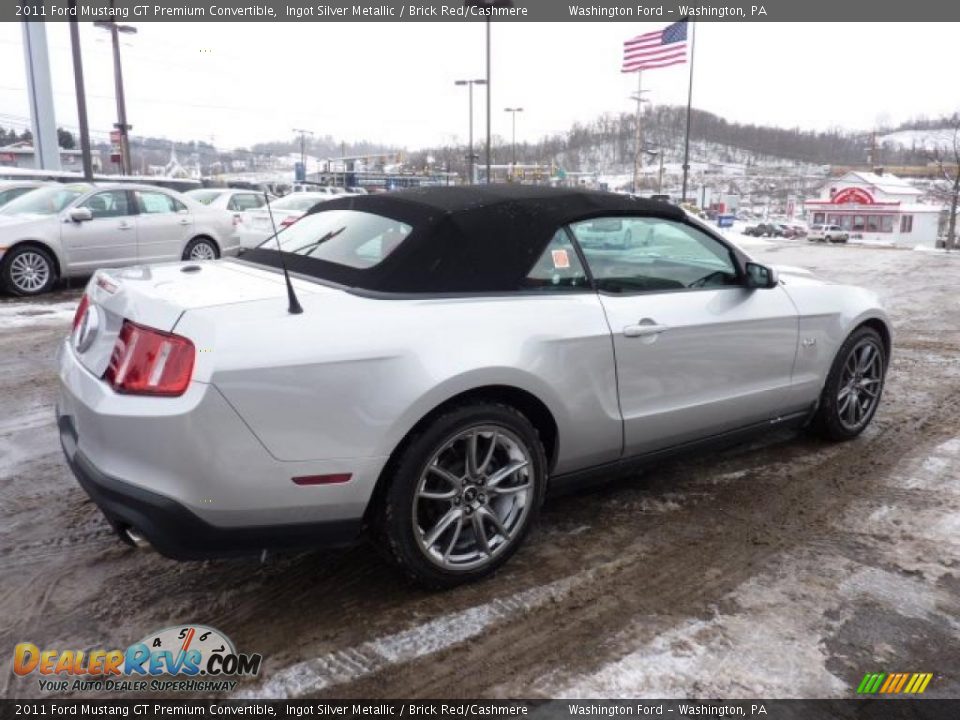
[(81, 309), (146, 361), (288, 221)]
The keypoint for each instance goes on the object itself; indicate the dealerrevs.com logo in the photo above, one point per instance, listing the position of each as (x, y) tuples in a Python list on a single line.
[(182, 658)]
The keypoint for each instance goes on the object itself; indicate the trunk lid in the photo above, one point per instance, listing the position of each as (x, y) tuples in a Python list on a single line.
[(158, 295)]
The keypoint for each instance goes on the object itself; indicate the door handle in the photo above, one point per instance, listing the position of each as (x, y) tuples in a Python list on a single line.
[(124, 226), (645, 328), (184, 222)]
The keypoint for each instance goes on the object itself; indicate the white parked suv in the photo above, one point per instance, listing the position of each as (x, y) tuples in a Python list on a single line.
[(828, 233), (69, 230)]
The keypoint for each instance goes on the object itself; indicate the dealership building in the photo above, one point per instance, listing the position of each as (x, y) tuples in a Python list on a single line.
[(876, 207)]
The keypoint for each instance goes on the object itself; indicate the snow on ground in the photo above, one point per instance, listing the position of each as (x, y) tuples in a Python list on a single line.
[(921, 139), (26, 313), (938, 251), (445, 631), (825, 594), (672, 663)]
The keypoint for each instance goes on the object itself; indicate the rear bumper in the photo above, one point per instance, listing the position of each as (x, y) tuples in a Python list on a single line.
[(189, 475), (178, 533)]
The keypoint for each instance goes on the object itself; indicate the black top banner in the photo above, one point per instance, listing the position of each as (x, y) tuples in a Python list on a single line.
[(586, 709), (852, 11)]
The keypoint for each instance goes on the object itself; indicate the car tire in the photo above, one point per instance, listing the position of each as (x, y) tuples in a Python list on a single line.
[(28, 270), (858, 370), (201, 248), (435, 540)]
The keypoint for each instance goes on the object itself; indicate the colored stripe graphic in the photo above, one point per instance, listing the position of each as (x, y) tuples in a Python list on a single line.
[(901, 680), (894, 683), (891, 680)]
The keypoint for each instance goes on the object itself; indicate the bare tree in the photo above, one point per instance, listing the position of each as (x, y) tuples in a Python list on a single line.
[(951, 175)]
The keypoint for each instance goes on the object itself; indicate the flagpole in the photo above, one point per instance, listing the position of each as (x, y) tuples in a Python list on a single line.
[(686, 141), (639, 150)]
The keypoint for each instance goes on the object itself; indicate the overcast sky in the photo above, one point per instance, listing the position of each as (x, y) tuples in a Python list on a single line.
[(240, 83)]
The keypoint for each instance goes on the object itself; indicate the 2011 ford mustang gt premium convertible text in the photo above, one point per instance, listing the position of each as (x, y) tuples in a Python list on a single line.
[(459, 350)]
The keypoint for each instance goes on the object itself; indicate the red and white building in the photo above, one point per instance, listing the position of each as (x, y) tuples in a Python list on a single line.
[(876, 207)]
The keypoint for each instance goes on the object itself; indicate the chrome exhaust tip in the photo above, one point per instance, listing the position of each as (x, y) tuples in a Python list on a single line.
[(137, 539)]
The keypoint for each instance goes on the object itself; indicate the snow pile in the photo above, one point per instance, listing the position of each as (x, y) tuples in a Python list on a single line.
[(20, 315)]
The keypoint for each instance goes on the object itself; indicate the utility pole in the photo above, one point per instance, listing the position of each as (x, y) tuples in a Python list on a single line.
[(470, 155), (121, 124), (513, 111), (303, 148), (638, 155), (81, 94)]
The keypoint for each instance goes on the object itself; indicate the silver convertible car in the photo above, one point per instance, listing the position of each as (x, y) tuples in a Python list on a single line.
[(438, 360)]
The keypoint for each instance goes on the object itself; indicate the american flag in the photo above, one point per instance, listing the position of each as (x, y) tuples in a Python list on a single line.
[(662, 48)]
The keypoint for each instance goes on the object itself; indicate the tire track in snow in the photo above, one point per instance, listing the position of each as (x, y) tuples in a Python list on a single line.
[(350, 664)]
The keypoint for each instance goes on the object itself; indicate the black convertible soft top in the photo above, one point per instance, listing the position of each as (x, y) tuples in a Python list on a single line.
[(465, 239)]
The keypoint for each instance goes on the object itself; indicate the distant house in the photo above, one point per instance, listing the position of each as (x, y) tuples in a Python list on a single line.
[(21, 155), (876, 207)]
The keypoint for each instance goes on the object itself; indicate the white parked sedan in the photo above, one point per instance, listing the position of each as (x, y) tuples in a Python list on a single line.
[(236, 201), (69, 230), (12, 189), (257, 225), (438, 359)]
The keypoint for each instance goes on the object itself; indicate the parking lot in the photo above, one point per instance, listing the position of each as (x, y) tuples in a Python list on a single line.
[(784, 568)]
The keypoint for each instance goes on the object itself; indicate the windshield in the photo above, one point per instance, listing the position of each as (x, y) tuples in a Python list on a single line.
[(204, 197), (43, 201), (346, 237), (297, 202)]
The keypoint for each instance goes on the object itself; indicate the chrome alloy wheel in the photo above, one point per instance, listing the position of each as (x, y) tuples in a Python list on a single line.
[(202, 251), (29, 271), (473, 497), (860, 385)]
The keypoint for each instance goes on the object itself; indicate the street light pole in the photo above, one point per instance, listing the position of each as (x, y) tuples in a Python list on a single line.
[(513, 141), (81, 95), (121, 124), (487, 6), (470, 155), (487, 83)]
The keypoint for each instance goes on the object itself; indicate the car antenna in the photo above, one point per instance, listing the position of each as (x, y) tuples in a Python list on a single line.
[(294, 307)]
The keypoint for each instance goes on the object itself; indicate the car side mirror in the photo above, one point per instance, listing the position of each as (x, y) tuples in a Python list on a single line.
[(81, 214), (760, 276)]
